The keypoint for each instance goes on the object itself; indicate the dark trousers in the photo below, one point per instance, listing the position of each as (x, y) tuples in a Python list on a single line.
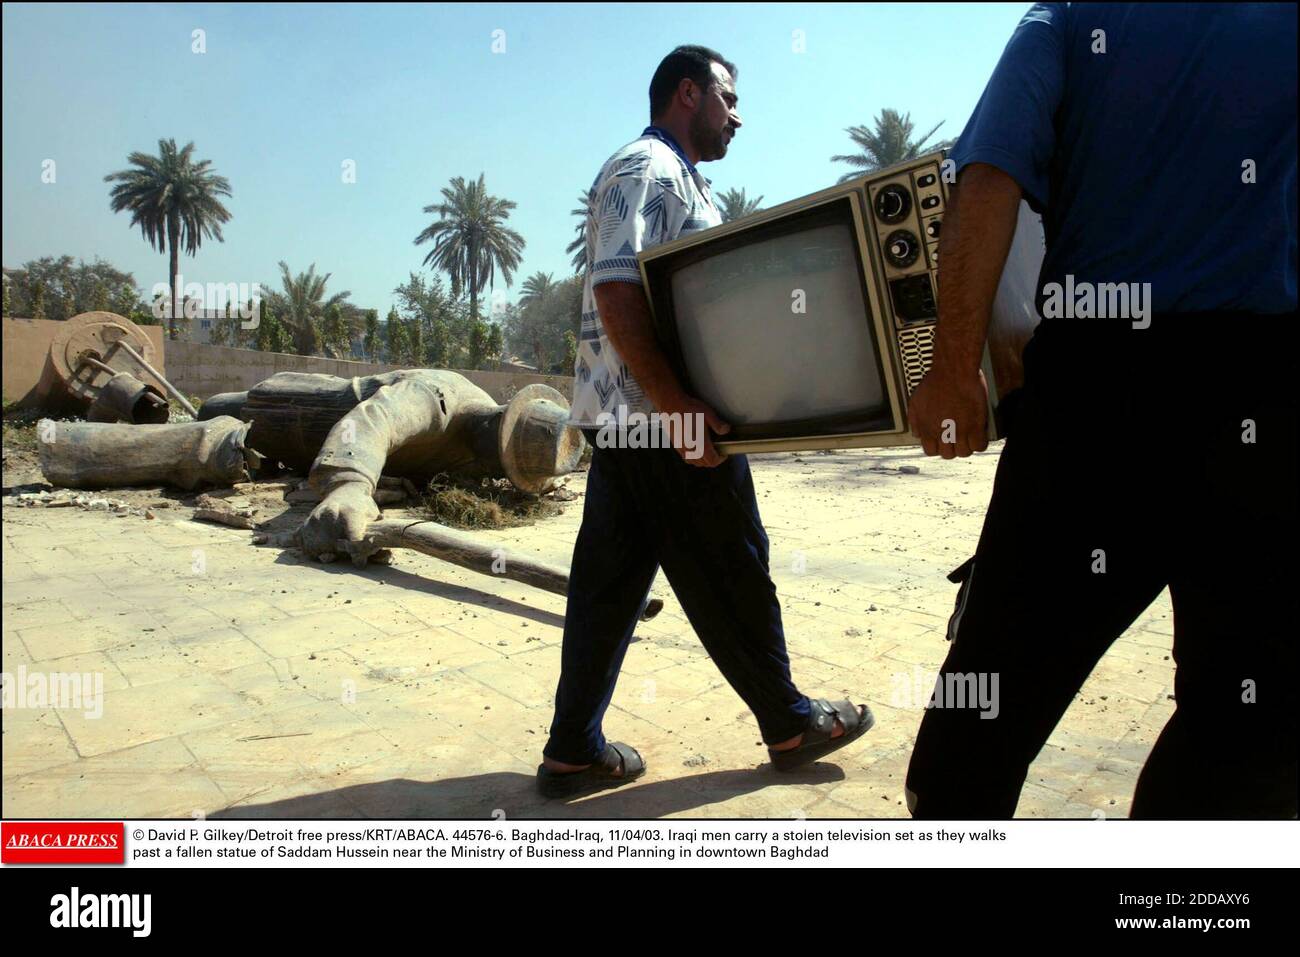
[(646, 508), (1128, 467)]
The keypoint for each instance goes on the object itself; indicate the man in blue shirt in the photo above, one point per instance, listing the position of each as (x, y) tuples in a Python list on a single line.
[(1153, 444)]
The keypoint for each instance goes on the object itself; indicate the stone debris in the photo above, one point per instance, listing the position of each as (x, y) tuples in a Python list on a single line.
[(910, 469), (68, 499), (562, 493), (234, 512), (264, 488)]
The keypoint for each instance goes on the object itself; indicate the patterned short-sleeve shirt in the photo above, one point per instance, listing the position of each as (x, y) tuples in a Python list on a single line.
[(647, 193)]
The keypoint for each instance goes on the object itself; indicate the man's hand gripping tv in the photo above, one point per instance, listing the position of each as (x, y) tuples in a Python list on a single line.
[(948, 412)]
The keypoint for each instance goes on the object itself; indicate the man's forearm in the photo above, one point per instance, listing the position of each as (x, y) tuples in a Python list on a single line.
[(625, 315), (973, 246)]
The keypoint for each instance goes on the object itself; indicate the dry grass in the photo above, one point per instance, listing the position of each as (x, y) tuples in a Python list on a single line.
[(20, 429), (20, 444), (487, 503)]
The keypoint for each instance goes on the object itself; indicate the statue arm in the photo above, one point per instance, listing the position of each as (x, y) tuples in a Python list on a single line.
[(360, 443)]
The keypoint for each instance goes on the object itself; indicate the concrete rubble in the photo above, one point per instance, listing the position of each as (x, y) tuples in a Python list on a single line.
[(69, 499)]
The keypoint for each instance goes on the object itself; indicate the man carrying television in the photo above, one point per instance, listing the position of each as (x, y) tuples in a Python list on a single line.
[(686, 507), (1150, 447)]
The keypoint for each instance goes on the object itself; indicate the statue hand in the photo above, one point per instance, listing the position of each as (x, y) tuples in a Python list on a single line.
[(343, 516)]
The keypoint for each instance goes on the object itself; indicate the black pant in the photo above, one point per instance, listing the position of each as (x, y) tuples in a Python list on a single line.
[(1129, 467), (645, 508)]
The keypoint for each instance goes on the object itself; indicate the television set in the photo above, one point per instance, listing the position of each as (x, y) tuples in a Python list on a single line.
[(808, 325)]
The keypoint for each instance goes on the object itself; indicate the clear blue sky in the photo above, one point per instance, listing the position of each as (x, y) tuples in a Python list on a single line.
[(415, 95)]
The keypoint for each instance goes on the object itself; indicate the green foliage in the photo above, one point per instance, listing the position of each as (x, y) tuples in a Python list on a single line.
[(272, 336), (70, 287), (433, 319), (370, 342), (470, 238), (733, 204), (441, 329), (537, 329), (397, 339), (301, 306), (570, 350), (126, 300), (577, 249), (889, 143), (227, 331), (335, 336), (415, 336), (496, 344), (479, 334)]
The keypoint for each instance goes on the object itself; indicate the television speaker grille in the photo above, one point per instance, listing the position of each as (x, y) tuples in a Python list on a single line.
[(916, 346)]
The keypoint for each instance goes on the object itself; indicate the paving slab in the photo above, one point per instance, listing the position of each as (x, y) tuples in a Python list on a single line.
[(245, 681)]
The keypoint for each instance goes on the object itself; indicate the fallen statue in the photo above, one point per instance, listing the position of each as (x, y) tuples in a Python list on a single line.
[(346, 432), (411, 424), (188, 455)]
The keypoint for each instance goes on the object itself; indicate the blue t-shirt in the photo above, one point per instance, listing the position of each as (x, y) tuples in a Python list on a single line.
[(1137, 156)]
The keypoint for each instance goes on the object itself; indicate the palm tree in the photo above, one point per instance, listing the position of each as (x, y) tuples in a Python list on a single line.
[(471, 240), (578, 248), (891, 142), (302, 305), (536, 303), (536, 289), (732, 205), (174, 202)]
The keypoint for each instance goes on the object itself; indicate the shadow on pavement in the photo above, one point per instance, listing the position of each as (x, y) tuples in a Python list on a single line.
[(428, 586), (512, 796)]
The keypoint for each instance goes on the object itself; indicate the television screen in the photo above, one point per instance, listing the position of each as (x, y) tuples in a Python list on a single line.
[(774, 329)]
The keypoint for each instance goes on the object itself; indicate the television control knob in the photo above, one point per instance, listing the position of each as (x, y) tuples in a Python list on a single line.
[(901, 248), (893, 203), (932, 229)]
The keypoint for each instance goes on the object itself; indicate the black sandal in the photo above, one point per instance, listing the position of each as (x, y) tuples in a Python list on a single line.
[(604, 773), (817, 740)]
